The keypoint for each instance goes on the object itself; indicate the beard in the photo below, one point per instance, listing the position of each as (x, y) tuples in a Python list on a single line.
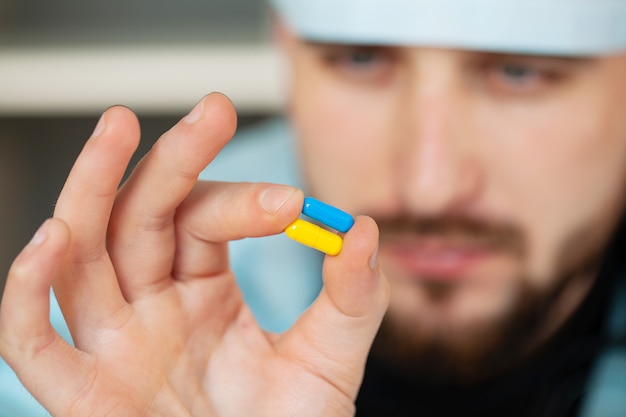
[(467, 353), (480, 349)]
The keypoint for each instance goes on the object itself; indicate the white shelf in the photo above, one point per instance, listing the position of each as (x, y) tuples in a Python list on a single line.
[(149, 79)]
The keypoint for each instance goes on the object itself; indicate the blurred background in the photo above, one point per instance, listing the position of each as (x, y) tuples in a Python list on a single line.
[(63, 62)]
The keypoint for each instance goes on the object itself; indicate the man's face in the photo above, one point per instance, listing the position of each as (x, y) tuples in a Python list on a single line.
[(495, 179)]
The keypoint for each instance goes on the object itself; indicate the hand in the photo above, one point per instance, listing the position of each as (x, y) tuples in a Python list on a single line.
[(143, 280)]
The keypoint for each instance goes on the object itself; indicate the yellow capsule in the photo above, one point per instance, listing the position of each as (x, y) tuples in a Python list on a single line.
[(314, 236)]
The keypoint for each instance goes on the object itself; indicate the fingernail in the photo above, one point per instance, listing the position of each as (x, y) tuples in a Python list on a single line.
[(99, 127), (195, 114), (40, 235), (374, 258), (274, 198)]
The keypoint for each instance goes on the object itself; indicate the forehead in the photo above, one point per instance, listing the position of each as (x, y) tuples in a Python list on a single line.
[(552, 27)]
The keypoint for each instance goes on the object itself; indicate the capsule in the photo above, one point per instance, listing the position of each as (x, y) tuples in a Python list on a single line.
[(314, 236), (327, 214)]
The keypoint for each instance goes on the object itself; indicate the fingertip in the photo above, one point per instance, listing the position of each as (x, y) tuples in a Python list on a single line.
[(118, 121), (197, 138), (221, 111), (126, 117), (120, 112), (360, 243), (277, 205), (281, 199), (353, 278), (35, 266), (220, 100)]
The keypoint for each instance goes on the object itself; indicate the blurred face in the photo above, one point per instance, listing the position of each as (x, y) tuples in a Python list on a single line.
[(496, 181)]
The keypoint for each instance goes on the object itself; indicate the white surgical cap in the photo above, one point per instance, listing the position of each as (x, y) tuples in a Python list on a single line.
[(555, 27)]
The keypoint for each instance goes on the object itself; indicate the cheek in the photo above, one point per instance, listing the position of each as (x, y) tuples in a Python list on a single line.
[(567, 177), (341, 133)]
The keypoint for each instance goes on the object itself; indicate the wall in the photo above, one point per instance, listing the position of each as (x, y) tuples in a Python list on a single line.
[(63, 62)]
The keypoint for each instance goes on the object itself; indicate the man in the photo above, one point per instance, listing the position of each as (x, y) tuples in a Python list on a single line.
[(487, 140)]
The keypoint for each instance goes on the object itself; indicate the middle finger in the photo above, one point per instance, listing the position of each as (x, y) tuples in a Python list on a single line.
[(141, 235)]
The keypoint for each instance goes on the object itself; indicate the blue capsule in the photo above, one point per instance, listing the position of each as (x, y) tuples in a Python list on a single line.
[(327, 214)]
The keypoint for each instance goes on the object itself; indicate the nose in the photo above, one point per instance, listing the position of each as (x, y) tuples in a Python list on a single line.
[(440, 170)]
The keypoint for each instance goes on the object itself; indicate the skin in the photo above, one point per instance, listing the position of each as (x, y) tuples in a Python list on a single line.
[(503, 174), (143, 280), (142, 275)]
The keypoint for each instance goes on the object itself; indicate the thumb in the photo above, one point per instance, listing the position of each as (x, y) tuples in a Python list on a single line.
[(337, 331)]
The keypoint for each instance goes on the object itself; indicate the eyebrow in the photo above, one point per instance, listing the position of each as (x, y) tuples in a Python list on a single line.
[(568, 60), (478, 53), (347, 45)]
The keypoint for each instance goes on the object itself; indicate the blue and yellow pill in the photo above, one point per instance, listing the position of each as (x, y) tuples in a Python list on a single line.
[(314, 236), (327, 214)]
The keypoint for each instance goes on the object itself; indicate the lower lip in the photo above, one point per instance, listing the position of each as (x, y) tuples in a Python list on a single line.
[(440, 262)]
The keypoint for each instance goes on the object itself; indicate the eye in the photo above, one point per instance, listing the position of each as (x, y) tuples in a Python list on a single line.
[(519, 74), (361, 64), (516, 78), (362, 59)]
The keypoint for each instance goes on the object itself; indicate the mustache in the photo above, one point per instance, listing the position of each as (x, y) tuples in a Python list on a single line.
[(460, 228)]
